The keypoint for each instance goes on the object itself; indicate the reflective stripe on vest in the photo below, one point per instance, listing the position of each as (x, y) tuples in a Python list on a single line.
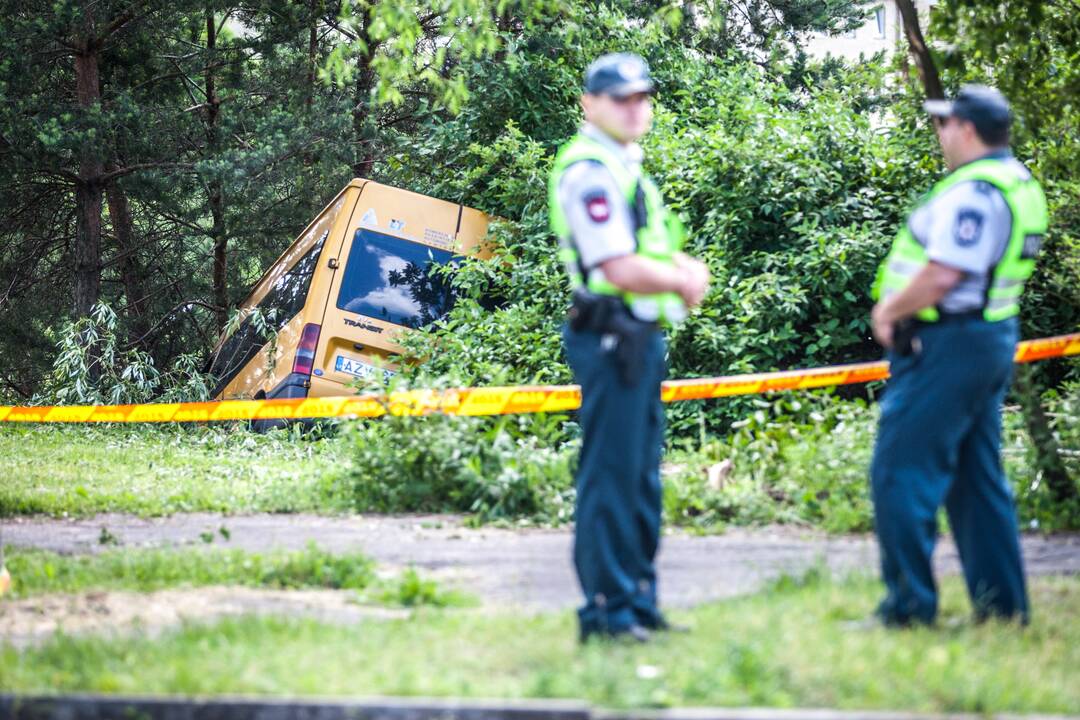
[(659, 237), (1027, 204)]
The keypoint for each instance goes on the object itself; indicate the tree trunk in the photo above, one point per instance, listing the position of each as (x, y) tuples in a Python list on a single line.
[(87, 252), (313, 53), (221, 246), (905, 58), (1047, 452), (924, 61), (216, 190), (88, 191), (130, 272), (363, 123)]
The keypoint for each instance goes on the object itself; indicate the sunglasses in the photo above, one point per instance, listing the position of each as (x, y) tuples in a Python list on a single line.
[(632, 99)]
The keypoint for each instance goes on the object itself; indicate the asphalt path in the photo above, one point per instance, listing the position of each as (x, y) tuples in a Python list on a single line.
[(522, 568)]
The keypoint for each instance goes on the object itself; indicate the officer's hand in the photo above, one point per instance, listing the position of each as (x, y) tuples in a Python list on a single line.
[(695, 282), (882, 325)]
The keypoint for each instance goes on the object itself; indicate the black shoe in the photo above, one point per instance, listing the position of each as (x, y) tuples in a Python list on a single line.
[(861, 625), (880, 622), (661, 624), (632, 634)]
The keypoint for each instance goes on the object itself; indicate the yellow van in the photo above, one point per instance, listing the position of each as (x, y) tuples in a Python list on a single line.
[(330, 308)]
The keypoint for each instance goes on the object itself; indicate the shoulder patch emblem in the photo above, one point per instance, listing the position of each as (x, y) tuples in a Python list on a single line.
[(597, 207), (969, 224)]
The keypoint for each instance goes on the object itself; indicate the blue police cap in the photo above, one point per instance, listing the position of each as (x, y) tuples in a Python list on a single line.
[(618, 75), (984, 106)]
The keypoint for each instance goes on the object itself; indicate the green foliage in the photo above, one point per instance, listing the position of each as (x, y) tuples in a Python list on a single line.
[(425, 43), (93, 366), (791, 176), (790, 203), (1038, 507), (249, 166), (805, 459), (790, 196), (412, 590), (501, 469), (37, 572), (796, 459)]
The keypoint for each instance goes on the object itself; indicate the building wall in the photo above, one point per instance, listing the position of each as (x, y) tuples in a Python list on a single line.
[(882, 32)]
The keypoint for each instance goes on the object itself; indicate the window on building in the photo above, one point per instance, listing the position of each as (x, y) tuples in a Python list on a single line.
[(879, 15)]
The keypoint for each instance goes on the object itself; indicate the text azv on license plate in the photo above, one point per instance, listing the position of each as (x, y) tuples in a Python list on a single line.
[(354, 367)]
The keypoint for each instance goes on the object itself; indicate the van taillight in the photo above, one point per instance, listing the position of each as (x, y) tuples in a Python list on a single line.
[(305, 351)]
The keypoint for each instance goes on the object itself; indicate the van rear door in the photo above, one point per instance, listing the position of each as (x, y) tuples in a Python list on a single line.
[(383, 283)]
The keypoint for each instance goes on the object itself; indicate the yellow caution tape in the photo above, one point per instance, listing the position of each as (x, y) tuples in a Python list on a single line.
[(487, 400)]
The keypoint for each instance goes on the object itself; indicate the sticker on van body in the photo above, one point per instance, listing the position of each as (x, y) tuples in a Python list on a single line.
[(438, 238), (369, 218)]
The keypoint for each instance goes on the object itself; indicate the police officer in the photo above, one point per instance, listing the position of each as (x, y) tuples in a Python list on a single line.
[(621, 247), (949, 293)]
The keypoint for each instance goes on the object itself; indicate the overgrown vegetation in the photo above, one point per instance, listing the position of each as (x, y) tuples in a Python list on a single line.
[(164, 169), (791, 645), (791, 194), (792, 175), (798, 458), (158, 470), (94, 365), (804, 458), (497, 470), (37, 572)]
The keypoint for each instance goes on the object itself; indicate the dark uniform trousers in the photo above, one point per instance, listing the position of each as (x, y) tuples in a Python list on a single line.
[(617, 522), (939, 441)]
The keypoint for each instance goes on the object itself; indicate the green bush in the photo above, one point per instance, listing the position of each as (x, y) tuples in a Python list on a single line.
[(793, 460), (496, 469), (93, 365), (791, 192), (1038, 508), (791, 197), (806, 459)]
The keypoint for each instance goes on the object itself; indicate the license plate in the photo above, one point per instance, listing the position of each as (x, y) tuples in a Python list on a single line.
[(356, 368)]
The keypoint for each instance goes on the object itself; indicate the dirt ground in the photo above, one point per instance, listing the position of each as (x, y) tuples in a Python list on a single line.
[(34, 619), (522, 569)]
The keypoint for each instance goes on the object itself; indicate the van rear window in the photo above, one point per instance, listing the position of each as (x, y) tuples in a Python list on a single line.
[(285, 299), (390, 279)]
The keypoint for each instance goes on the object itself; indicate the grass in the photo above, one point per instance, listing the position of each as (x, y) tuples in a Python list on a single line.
[(38, 572), (83, 470), (787, 646), (35, 572)]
